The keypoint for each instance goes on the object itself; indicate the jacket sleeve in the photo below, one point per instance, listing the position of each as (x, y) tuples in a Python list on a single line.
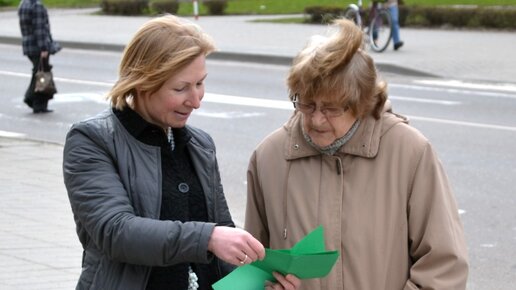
[(255, 216), (105, 215), (204, 158), (436, 237), (224, 215)]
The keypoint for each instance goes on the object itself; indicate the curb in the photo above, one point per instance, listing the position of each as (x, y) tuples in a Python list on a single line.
[(31, 140), (228, 56)]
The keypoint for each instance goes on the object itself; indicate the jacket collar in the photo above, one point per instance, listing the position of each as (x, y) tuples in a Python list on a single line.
[(364, 143), (149, 133)]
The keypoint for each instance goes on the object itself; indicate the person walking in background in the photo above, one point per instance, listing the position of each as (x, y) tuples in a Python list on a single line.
[(395, 15), (37, 45), (345, 161), (145, 187)]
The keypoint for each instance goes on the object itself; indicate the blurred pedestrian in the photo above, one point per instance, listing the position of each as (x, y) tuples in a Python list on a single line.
[(345, 161), (395, 15), (144, 186), (37, 45)]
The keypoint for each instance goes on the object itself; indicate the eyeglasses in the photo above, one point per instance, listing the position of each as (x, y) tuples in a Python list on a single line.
[(309, 109)]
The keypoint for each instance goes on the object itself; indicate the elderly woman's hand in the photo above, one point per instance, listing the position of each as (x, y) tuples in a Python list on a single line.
[(288, 282)]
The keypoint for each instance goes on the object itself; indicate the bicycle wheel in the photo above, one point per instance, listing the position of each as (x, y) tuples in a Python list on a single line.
[(380, 31), (353, 15)]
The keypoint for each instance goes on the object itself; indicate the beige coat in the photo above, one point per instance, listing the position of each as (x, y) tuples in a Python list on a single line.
[(383, 199)]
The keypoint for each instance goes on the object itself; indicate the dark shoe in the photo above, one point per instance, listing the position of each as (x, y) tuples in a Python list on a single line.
[(42, 111), (398, 45)]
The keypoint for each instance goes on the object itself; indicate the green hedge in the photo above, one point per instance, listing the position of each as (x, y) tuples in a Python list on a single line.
[(143, 7), (411, 16), (215, 7), (164, 6), (124, 7), (323, 14), (497, 18), (418, 16)]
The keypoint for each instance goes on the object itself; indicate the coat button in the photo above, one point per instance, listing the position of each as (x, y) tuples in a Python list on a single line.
[(296, 146), (183, 187)]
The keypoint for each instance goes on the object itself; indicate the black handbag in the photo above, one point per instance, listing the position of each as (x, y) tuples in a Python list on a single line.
[(44, 83)]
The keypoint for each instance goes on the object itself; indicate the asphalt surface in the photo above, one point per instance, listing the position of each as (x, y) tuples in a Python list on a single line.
[(38, 245)]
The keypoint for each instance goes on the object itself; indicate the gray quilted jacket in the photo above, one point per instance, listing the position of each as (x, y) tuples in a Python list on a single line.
[(114, 186)]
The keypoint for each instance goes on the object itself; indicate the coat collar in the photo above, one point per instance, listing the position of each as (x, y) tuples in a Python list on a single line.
[(364, 143)]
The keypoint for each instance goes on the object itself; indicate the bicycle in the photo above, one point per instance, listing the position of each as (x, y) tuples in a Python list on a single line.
[(378, 28)]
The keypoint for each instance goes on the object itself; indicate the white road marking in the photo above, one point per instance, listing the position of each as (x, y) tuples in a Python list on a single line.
[(287, 105), (503, 87), (463, 123), (226, 115), (428, 101), (58, 79), (80, 97), (450, 86), (83, 82), (458, 87), (11, 134), (14, 74), (272, 104), (247, 101)]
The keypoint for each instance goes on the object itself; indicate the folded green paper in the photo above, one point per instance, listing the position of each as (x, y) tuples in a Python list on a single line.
[(307, 259)]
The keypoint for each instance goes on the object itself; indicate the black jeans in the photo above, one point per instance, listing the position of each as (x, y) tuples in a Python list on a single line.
[(37, 101)]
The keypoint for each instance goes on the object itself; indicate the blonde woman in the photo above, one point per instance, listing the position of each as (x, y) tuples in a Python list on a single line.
[(345, 161), (144, 186)]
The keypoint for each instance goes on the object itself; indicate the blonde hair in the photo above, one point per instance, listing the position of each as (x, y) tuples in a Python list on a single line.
[(159, 49), (336, 69)]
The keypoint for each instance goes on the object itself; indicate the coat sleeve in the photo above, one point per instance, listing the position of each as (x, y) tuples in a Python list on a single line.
[(436, 237), (105, 215), (255, 216)]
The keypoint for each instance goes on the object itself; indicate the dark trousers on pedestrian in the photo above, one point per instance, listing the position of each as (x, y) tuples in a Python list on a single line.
[(37, 101)]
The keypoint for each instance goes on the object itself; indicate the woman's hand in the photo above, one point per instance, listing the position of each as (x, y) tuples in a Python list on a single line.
[(288, 282), (238, 247), (235, 246)]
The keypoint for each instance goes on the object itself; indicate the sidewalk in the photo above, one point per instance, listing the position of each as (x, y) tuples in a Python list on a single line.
[(38, 245), (456, 54)]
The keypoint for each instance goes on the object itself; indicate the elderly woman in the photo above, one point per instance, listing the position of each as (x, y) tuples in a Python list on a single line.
[(346, 162), (144, 187)]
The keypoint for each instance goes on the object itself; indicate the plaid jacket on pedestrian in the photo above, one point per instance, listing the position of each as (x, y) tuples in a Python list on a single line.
[(35, 27)]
